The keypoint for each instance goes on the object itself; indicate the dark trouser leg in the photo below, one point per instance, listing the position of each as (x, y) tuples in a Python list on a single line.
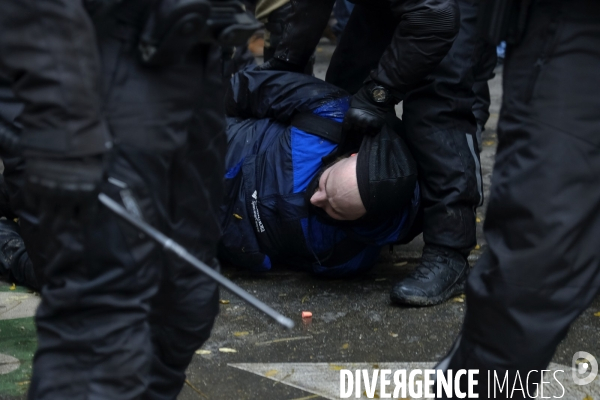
[(484, 71), (96, 322), (275, 26), (542, 268), (184, 311), (99, 277), (368, 33), (440, 127), (440, 132), (28, 269)]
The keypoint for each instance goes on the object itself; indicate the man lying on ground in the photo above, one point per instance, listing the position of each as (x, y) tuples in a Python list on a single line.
[(293, 195)]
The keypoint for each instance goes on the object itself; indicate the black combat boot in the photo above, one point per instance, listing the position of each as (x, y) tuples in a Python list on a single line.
[(15, 264), (441, 274)]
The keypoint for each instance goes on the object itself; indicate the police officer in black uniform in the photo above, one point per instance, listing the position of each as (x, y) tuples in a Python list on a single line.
[(542, 266), (391, 52), (118, 319)]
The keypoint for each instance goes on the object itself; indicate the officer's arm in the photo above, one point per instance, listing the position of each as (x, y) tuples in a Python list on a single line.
[(276, 94), (48, 50), (425, 34), (303, 29)]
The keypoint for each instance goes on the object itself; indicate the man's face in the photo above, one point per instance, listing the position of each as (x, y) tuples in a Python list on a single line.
[(338, 193)]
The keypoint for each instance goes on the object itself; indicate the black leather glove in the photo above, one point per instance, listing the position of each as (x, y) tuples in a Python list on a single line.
[(64, 182), (368, 109), (275, 64)]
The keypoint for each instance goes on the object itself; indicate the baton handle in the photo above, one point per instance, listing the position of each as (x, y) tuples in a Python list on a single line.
[(170, 245)]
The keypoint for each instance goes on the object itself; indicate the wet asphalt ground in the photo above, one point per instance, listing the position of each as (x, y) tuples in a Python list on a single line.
[(353, 320)]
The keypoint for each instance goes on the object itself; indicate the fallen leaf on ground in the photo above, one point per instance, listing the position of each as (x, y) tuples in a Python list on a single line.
[(477, 219), (345, 346), (597, 314), (224, 301), (240, 334), (588, 397), (227, 350), (399, 264), (202, 351), (334, 367), (304, 299), (283, 340), (271, 373), (187, 382), (12, 287), (238, 216), (477, 247)]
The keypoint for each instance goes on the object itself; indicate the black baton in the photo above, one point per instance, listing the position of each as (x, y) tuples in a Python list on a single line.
[(169, 245)]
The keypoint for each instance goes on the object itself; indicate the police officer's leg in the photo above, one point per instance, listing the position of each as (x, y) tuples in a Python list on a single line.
[(185, 309), (21, 266), (484, 71), (440, 129), (99, 277), (16, 263), (542, 268), (368, 33), (274, 25)]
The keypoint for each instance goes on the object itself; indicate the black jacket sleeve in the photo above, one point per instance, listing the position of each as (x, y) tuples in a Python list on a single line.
[(425, 33), (276, 94), (48, 51), (303, 29)]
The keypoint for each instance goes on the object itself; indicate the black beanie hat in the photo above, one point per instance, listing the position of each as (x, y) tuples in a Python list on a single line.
[(386, 173)]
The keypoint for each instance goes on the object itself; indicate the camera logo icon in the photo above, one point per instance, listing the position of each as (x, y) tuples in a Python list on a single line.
[(585, 368)]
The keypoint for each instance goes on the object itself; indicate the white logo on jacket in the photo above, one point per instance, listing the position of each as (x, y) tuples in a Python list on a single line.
[(259, 225)]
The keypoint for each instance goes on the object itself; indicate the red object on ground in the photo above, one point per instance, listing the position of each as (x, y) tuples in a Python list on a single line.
[(306, 314)]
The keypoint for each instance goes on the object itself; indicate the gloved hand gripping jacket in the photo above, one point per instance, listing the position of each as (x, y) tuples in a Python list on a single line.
[(366, 116)]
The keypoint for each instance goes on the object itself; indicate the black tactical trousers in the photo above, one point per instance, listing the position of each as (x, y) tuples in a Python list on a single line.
[(438, 118), (119, 318), (542, 267)]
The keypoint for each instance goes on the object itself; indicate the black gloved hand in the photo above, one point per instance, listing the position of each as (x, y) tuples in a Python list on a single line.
[(367, 116), (275, 64), (64, 182)]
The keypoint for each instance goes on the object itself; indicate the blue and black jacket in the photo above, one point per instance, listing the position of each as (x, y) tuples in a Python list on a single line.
[(270, 164)]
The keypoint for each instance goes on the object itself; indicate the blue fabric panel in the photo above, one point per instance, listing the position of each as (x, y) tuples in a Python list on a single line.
[(307, 151), (387, 232), (361, 262), (232, 173), (334, 109), (266, 263), (320, 237)]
